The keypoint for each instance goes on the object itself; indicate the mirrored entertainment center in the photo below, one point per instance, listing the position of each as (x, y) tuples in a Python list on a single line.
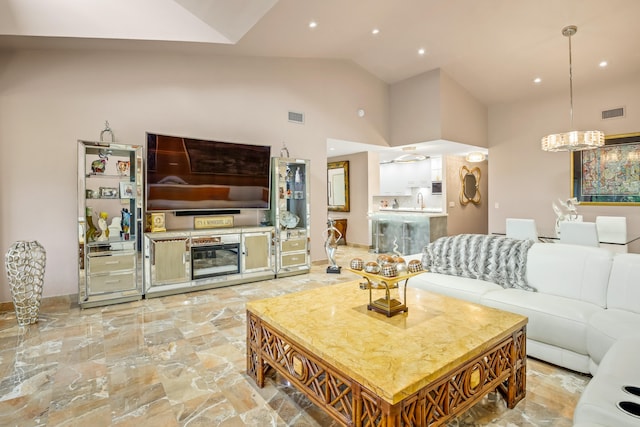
[(125, 250)]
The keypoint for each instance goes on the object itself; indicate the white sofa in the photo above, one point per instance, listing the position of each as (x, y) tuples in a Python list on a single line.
[(586, 303)]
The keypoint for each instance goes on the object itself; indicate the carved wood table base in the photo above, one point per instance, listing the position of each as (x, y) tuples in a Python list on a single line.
[(500, 365)]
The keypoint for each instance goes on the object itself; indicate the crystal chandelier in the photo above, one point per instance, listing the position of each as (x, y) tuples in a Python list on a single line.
[(573, 140)]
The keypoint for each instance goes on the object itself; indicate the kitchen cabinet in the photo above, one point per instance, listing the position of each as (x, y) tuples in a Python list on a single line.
[(397, 179)]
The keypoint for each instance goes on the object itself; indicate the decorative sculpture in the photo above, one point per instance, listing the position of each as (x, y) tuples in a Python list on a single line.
[(331, 246), (106, 132), (284, 151), (25, 263), (104, 229), (571, 215), (92, 231), (126, 223), (115, 228)]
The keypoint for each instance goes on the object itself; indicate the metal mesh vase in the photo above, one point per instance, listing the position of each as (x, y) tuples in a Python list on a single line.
[(25, 263)]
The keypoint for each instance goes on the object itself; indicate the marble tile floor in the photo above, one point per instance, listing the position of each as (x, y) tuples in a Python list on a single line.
[(180, 361)]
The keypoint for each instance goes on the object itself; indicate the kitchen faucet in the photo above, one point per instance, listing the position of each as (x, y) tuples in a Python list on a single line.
[(420, 200)]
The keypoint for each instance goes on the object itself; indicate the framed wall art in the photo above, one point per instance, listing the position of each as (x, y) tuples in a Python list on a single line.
[(609, 175)]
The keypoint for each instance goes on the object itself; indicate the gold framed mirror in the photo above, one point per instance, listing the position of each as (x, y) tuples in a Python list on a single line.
[(338, 186), (469, 186)]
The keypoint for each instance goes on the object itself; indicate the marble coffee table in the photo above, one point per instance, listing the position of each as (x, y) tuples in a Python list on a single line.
[(419, 368)]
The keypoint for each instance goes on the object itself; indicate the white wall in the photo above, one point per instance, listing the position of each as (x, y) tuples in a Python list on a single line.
[(524, 180), (49, 99), (464, 118), (432, 106), (415, 114)]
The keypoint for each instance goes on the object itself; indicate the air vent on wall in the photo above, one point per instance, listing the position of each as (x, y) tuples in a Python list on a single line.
[(296, 117), (613, 113)]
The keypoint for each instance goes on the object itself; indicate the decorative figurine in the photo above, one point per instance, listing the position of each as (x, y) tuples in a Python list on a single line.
[(106, 131), (571, 215), (92, 231), (331, 246), (115, 228), (284, 152), (104, 229), (98, 166), (123, 167), (126, 222)]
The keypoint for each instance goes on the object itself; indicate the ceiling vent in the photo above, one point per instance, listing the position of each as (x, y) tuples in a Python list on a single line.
[(613, 113), (296, 117)]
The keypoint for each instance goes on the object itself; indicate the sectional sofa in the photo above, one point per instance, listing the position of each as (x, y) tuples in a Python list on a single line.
[(583, 305)]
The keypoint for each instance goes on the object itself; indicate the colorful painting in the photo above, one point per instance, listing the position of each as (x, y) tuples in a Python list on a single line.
[(610, 174)]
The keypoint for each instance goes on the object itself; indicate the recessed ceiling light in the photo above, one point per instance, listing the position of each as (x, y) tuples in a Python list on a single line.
[(603, 64), (375, 31), (537, 80), (313, 24), (421, 51)]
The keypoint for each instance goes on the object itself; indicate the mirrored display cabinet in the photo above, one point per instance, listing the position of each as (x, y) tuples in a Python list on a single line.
[(290, 214), (110, 202)]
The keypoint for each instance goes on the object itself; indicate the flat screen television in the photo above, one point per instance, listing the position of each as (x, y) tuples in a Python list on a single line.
[(187, 174)]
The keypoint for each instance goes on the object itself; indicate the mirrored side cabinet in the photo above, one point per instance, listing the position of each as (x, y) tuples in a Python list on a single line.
[(110, 204)]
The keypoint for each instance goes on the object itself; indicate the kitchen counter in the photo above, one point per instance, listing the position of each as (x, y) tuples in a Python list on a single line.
[(405, 231), (414, 210)]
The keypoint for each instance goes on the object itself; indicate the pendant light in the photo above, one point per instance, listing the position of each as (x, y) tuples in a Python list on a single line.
[(574, 140)]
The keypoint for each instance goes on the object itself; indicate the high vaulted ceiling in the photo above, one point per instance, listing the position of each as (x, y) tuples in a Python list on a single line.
[(493, 48)]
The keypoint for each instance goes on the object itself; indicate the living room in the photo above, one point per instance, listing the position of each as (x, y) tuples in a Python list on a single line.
[(54, 91), (246, 99)]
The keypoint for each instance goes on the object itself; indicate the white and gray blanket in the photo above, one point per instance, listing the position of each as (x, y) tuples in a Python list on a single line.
[(498, 259)]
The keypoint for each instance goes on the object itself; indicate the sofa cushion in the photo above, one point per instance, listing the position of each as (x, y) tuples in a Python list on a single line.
[(619, 368), (570, 271), (624, 290), (608, 326), (453, 286), (552, 320)]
